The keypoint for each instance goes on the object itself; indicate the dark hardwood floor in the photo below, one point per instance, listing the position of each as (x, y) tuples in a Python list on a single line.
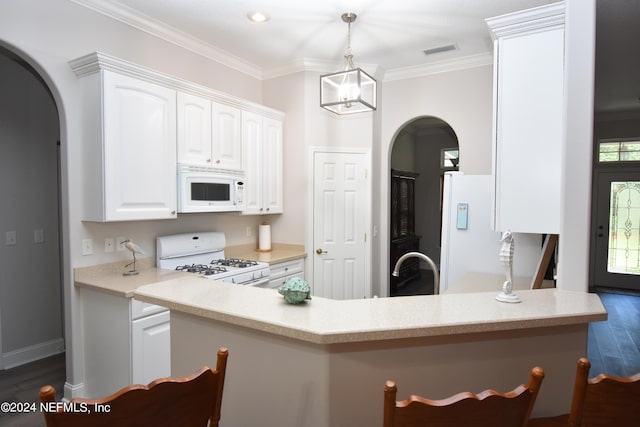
[(614, 345), (22, 384), (613, 348)]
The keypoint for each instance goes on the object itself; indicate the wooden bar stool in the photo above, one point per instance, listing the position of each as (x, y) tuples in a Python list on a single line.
[(487, 409), (602, 401), (191, 401)]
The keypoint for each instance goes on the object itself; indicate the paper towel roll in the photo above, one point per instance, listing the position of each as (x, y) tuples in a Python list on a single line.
[(264, 237)]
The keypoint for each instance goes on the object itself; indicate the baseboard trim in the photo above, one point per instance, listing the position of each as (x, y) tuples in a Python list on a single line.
[(14, 358), (73, 390)]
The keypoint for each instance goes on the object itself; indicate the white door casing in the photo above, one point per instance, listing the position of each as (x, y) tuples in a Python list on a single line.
[(341, 222)]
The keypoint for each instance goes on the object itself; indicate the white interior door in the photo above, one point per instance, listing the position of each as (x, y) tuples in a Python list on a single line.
[(617, 262), (340, 225)]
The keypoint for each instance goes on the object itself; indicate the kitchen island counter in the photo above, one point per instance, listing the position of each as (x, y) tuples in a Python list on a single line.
[(327, 321), (301, 365)]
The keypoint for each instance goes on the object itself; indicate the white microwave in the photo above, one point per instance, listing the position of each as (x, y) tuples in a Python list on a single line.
[(202, 189)]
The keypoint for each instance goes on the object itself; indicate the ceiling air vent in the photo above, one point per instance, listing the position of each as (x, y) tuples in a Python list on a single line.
[(440, 49)]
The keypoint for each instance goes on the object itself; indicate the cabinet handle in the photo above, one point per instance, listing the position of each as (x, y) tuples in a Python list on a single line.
[(218, 161), (286, 269), (173, 212), (268, 209), (208, 160)]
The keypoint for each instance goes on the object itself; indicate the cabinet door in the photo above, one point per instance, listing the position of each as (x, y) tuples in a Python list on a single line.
[(282, 271), (272, 165), (194, 130), (262, 138), (528, 115), (139, 149), (227, 137), (150, 348), (253, 160)]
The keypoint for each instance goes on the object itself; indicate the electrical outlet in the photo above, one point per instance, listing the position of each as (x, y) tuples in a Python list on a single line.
[(87, 246), (10, 238), (120, 245), (108, 244), (38, 235)]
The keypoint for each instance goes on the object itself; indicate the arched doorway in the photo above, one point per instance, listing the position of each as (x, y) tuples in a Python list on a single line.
[(31, 308), (423, 149)]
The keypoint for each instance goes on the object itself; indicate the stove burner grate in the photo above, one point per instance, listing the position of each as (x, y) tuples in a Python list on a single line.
[(234, 262), (207, 270)]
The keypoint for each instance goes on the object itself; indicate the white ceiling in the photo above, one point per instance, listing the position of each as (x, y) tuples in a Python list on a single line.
[(387, 39)]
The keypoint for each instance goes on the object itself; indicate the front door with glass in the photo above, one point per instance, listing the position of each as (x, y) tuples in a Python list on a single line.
[(617, 238)]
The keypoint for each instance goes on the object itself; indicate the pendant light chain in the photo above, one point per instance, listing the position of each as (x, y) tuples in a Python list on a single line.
[(349, 18)]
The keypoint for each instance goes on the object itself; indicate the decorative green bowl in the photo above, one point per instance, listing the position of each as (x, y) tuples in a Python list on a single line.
[(295, 290)]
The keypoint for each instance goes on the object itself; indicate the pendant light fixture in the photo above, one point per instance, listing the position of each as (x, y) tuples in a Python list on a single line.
[(349, 91)]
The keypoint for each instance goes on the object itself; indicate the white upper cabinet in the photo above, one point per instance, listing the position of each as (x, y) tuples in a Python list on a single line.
[(528, 119), (272, 165), (262, 137), (138, 124), (227, 137), (129, 140), (194, 130), (209, 133)]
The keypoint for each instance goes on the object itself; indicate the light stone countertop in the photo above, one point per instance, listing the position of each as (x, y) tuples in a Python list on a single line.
[(326, 321), (280, 252), (109, 278)]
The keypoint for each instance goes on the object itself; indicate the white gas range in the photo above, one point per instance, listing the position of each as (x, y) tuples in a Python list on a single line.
[(202, 253)]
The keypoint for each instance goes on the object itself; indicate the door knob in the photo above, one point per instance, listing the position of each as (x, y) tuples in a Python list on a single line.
[(320, 251)]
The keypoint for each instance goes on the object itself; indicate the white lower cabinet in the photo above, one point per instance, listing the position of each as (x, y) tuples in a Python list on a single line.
[(282, 271), (126, 342), (150, 348)]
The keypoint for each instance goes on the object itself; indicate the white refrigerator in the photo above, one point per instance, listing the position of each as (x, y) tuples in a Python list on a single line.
[(469, 246)]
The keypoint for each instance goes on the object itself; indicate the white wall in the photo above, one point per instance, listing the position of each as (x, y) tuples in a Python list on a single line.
[(573, 252), (30, 291)]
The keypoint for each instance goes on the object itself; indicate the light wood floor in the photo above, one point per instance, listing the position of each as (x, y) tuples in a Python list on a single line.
[(614, 348)]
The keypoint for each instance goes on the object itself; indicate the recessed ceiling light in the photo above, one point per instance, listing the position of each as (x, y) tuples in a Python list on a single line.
[(257, 17)]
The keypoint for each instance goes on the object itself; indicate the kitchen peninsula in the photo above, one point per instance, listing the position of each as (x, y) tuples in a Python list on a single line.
[(324, 362)]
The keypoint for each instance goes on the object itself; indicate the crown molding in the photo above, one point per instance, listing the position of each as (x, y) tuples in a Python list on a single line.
[(169, 34), (531, 20), (98, 61), (444, 66), (318, 66)]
